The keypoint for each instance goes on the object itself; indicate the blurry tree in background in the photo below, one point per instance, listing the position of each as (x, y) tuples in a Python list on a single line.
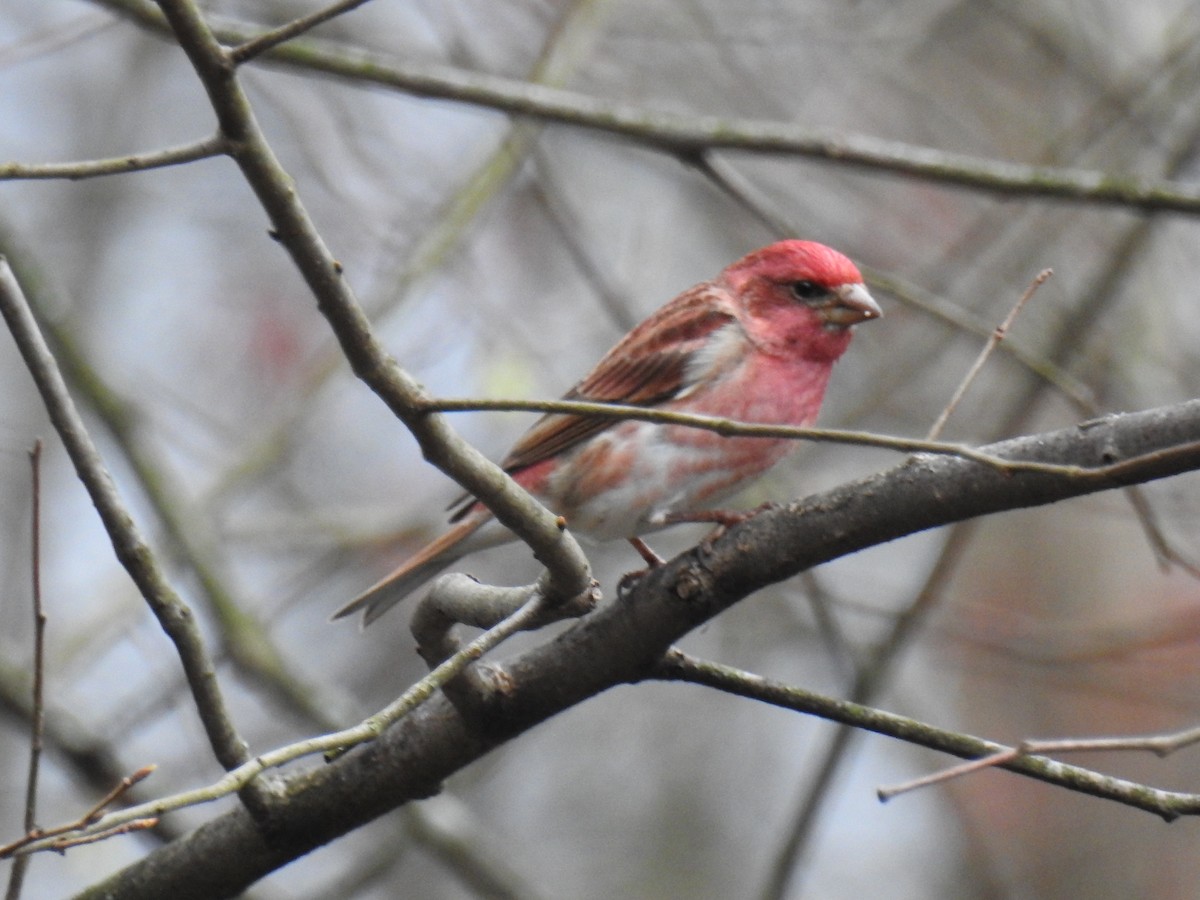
[(508, 186)]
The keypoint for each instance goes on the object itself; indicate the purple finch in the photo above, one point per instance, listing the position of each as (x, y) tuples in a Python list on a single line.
[(755, 344)]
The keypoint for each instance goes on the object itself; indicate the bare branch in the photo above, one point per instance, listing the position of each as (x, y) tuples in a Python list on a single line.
[(993, 342), (246, 51), (678, 666), (1161, 745), (117, 165), (681, 135), (131, 548), (61, 845), (37, 724)]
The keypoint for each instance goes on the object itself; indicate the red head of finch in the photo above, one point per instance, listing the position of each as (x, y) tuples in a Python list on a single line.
[(755, 344)]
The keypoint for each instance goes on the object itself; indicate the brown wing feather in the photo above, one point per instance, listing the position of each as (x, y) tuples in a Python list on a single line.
[(646, 368)]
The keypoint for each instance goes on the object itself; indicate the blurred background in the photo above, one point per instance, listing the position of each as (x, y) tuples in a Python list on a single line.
[(501, 259)]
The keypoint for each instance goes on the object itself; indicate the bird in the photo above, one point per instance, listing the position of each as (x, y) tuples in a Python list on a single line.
[(756, 344)]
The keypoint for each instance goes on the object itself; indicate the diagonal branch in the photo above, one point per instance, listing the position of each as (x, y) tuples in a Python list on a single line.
[(131, 548), (256, 46), (625, 642), (116, 165), (678, 666)]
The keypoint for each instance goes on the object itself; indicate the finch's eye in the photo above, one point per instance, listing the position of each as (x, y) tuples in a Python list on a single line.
[(807, 290)]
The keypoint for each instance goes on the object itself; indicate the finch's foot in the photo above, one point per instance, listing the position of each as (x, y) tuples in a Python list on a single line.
[(724, 519), (653, 560)]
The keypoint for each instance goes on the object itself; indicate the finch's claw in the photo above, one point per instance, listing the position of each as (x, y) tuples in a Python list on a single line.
[(653, 560), (726, 518), (723, 518), (769, 506)]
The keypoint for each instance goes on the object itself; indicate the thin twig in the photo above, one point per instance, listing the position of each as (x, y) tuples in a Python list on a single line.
[(1046, 370), (61, 845), (999, 758), (249, 49), (38, 725), (46, 836), (118, 791), (1161, 745), (716, 424), (16, 875), (992, 343), (115, 165), (679, 666)]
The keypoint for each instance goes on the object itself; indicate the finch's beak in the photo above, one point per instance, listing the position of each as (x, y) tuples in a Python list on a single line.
[(850, 305)]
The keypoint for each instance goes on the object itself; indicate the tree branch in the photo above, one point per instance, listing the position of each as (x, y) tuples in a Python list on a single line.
[(624, 642), (678, 666), (684, 134), (130, 547)]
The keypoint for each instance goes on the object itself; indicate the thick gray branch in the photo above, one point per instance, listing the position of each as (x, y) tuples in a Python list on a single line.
[(625, 640)]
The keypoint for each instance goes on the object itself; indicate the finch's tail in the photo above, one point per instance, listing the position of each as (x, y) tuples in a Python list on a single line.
[(427, 562)]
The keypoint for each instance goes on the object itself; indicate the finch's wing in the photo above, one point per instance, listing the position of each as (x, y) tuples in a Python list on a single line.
[(649, 366)]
